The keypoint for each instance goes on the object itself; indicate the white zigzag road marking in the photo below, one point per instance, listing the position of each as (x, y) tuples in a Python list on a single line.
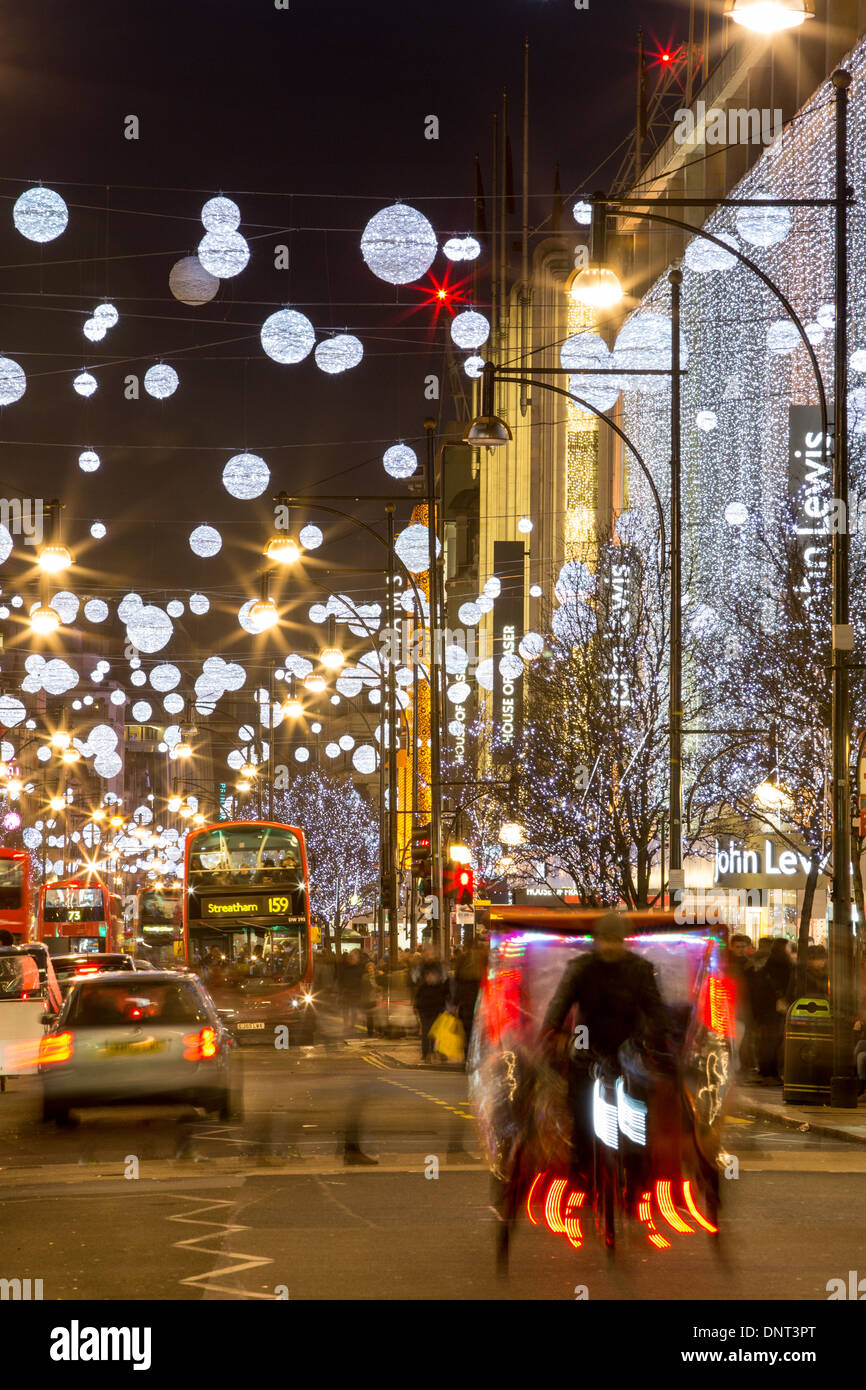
[(239, 1260)]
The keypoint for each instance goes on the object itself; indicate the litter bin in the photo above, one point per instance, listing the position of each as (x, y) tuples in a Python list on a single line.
[(808, 1052)]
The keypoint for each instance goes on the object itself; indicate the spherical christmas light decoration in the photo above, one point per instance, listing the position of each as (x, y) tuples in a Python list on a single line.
[(40, 214), (485, 603), (346, 742), (95, 610), (190, 283), (857, 361), (85, 384), (582, 214), (493, 586), (815, 333), (223, 254), (469, 614), (12, 711), (332, 750), (574, 579), (174, 608), (704, 257), (13, 382), (106, 314), (6, 549), (399, 245), (470, 329), (205, 541), (88, 461), (783, 337), (199, 604), (98, 530), (94, 331), (287, 336), (412, 547), (165, 677), (826, 316), (149, 629), (138, 678), (474, 366), (220, 215), (311, 537), (736, 514), (246, 476), (583, 351), (524, 525), (66, 604), (128, 606), (456, 660), (703, 620), (339, 354), (248, 622), (141, 711), (302, 755), (161, 381), (17, 600), (318, 614), (630, 528), (458, 693), (643, 342), (400, 461), (365, 759), (32, 838), (763, 226), (706, 420), (531, 646), (108, 765), (510, 666), (174, 703), (349, 686), (462, 248)]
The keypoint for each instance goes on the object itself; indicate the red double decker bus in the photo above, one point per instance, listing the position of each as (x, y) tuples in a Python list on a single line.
[(78, 915), (15, 887)]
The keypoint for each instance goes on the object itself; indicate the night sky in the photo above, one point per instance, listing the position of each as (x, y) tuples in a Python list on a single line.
[(312, 119)]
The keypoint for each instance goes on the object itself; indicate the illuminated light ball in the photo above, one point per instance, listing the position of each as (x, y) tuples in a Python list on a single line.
[(763, 226), (106, 314), (138, 678), (108, 765), (85, 384), (40, 214), (531, 646), (815, 333), (456, 727), (736, 514), (98, 530), (246, 476), (398, 244), (858, 360), (332, 750), (493, 586), (510, 666), (12, 711), (190, 283), (485, 603), (400, 461), (248, 623), (13, 382), (318, 614), (704, 257), (165, 677), (412, 547), (456, 660), (706, 420), (469, 614), (474, 366), (783, 337), (462, 248), (95, 610), (644, 342), (11, 820), (94, 331), (374, 696), (32, 837), (174, 608), (287, 336), (149, 629), (470, 329), (364, 759), (826, 316), (174, 703), (629, 527), (524, 525), (6, 550), (161, 381), (128, 606), (458, 693), (574, 579), (339, 354), (223, 254), (17, 601), (205, 541), (302, 755), (141, 711), (349, 686), (66, 604), (311, 537), (703, 620), (199, 604), (346, 742), (299, 665), (584, 351), (134, 663), (88, 461), (220, 215), (582, 213)]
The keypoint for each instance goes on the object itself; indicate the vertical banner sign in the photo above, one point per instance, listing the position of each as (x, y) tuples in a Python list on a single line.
[(509, 559), (810, 487)]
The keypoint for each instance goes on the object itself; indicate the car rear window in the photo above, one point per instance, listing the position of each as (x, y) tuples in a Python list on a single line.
[(117, 1004), (70, 969), (19, 977)]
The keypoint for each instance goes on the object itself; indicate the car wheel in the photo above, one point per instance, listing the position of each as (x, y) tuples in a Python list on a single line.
[(55, 1113)]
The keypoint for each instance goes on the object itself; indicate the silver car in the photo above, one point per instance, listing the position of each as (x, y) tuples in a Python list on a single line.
[(138, 1036)]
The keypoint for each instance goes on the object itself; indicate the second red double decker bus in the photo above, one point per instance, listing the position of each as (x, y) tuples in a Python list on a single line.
[(79, 915)]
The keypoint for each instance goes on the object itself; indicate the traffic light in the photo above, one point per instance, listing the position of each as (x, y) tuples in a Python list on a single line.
[(464, 886), (422, 857)]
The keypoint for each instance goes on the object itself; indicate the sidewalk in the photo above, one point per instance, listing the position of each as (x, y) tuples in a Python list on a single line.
[(766, 1102), (401, 1052)]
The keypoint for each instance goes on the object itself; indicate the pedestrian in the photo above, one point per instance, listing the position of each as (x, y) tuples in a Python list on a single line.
[(772, 984), (350, 989), (469, 970), (818, 973), (431, 998), (371, 993), (738, 965)]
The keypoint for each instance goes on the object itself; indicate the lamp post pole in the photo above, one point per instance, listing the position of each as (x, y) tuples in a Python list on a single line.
[(439, 925), (393, 945), (675, 842)]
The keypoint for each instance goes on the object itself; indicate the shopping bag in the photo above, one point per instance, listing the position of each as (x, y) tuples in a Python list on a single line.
[(450, 1039)]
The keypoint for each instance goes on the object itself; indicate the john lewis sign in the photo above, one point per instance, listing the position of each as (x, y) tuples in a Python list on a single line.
[(766, 864)]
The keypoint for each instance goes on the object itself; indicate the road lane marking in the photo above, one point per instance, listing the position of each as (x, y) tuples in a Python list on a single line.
[(239, 1261)]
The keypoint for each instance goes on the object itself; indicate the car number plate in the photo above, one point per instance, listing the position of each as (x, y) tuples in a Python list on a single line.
[(250, 1025), (118, 1048)]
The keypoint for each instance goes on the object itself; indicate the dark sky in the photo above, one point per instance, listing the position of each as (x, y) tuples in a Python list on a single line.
[(312, 119)]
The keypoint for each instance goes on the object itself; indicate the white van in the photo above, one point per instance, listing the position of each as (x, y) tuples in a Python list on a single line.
[(28, 990)]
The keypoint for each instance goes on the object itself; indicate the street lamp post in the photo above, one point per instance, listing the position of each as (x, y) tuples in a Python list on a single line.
[(392, 757), (438, 928), (675, 734)]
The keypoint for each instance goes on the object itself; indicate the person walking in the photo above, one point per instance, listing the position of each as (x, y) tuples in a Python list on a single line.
[(351, 972), (772, 984), (431, 997), (371, 993), (469, 971)]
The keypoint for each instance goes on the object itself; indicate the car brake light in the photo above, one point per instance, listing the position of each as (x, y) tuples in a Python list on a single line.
[(198, 1047), (57, 1047), (718, 1006)]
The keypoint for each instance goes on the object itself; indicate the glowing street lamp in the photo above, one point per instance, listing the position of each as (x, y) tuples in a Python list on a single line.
[(248, 771), (264, 612), (54, 556), (44, 620), (58, 803), (70, 755), (61, 738), (769, 16), (460, 854), (331, 657), (315, 683), (282, 548), (597, 286), (512, 834)]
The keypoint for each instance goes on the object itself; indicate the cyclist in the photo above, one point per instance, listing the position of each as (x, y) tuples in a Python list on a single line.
[(618, 999)]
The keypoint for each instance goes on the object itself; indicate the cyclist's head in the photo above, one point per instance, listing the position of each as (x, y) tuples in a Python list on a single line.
[(610, 933)]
